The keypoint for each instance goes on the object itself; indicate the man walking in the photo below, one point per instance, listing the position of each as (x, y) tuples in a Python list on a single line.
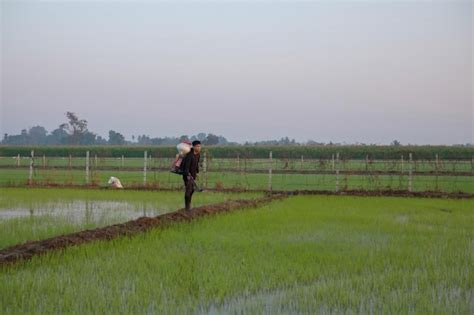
[(190, 170)]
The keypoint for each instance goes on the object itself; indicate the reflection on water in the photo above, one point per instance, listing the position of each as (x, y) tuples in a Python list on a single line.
[(88, 211)]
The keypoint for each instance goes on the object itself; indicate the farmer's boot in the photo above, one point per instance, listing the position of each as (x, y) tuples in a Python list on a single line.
[(188, 195), (187, 202)]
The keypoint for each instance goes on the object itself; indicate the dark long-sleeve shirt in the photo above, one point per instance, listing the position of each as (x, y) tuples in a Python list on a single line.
[(191, 164)]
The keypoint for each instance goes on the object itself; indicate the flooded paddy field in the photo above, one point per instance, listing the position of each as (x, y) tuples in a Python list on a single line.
[(37, 213), (301, 254)]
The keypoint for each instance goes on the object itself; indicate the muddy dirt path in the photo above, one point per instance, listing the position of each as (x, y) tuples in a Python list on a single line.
[(383, 193)]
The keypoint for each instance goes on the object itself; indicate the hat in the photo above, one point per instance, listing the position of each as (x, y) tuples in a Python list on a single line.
[(196, 142)]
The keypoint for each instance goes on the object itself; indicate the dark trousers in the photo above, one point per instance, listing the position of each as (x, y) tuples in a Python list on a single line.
[(189, 191)]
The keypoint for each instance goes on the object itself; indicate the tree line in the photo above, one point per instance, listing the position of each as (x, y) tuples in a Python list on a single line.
[(75, 132)]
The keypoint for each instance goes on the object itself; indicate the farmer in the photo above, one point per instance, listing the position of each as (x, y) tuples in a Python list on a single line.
[(190, 170)]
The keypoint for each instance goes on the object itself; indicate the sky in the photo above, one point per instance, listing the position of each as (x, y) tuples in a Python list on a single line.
[(352, 71)]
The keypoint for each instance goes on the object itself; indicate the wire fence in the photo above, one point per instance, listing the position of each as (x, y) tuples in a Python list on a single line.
[(336, 173)]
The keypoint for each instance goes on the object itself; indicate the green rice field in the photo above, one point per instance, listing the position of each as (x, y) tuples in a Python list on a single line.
[(250, 181), (303, 254), (242, 164)]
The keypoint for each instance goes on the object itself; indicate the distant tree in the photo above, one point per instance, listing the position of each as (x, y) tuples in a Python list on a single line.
[(100, 140), (22, 138), (201, 136), (158, 141), (211, 139), (396, 143), (88, 138), (223, 140), (58, 136), (284, 141), (37, 135), (76, 127), (116, 138), (143, 139)]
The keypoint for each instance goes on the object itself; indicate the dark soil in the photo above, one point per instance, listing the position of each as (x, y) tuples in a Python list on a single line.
[(385, 193)]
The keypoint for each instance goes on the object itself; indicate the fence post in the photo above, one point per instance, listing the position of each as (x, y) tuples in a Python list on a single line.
[(87, 167), (245, 163), (302, 161), (18, 160), (70, 161), (95, 161), (238, 162), (122, 162), (366, 162), (44, 161), (410, 173), (144, 167), (270, 173), (402, 164), (32, 161), (337, 171), (333, 166)]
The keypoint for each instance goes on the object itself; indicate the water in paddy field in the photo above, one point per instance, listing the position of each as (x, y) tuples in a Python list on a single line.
[(86, 211)]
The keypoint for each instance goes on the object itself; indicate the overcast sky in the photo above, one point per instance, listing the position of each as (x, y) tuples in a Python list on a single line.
[(354, 71)]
